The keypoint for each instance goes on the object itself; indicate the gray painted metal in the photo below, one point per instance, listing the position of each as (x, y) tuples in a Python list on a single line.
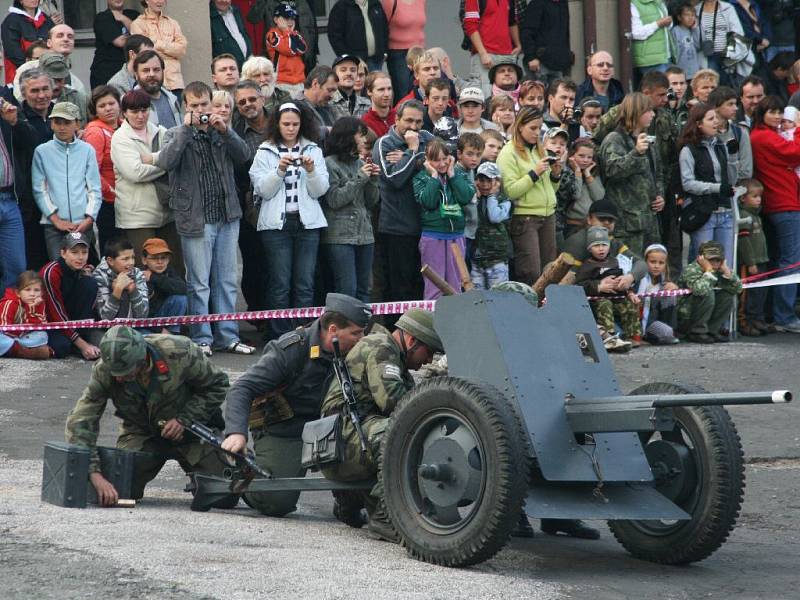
[(65, 474), (534, 357)]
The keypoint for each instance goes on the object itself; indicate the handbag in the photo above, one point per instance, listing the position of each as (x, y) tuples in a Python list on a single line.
[(697, 213), (322, 443)]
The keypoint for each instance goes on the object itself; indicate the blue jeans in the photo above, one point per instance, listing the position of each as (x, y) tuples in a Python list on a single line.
[(719, 227), (211, 280), (173, 306), (402, 81), (351, 266), (291, 260), (773, 51), (12, 241), (787, 236), (374, 63)]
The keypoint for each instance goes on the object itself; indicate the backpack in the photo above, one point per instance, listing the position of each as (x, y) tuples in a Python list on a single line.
[(466, 44)]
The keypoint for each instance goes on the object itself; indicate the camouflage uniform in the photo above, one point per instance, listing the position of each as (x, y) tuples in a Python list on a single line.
[(709, 305), (632, 182), (607, 310), (181, 383)]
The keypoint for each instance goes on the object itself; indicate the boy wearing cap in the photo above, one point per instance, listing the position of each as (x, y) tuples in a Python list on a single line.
[(704, 313), (591, 274), (70, 295), (285, 48), (166, 289), (66, 180), (470, 105), (490, 259)]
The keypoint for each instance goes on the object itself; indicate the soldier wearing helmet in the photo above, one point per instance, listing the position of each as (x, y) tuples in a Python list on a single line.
[(379, 365), (158, 385)]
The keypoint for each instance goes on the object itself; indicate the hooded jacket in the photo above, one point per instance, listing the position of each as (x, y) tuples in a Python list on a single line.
[(11, 308)]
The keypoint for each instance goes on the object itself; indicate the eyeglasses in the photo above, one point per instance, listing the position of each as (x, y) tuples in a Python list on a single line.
[(246, 101), (604, 64)]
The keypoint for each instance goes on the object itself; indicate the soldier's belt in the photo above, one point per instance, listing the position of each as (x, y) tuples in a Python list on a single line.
[(268, 410)]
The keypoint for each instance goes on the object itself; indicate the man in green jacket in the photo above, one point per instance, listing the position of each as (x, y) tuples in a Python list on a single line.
[(228, 35), (651, 45)]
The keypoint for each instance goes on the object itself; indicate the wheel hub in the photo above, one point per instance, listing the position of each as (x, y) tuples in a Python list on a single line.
[(673, 468), (447, 475)]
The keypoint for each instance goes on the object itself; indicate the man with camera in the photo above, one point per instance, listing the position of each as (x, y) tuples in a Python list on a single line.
[(199, 157), (561, 108)]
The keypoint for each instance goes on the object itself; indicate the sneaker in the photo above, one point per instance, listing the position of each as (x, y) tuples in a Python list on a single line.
[(790, 327), (613, 344), (206, 349), (240, 348)]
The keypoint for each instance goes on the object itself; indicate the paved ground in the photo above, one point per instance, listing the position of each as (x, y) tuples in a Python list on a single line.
[(160, 549)]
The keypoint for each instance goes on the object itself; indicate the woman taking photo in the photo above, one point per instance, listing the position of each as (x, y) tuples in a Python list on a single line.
[(530, 180), (348, 242), (140, 207), (289, 177), (632, 172), (774, 161), (707, 177), (168, 40), (104, 110)]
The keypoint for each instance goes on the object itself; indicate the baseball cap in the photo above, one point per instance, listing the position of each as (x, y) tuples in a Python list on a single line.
[(712, 249), (603, 208), (156, 246), (74, 238), (65, 110), (54, 64), (471, 94), (489, 170), (555, 131), (344, 58), (285, 10), (596, 236)]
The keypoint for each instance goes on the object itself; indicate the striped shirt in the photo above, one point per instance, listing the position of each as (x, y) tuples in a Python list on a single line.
[(292, 179), (6, 170), (210, 182)]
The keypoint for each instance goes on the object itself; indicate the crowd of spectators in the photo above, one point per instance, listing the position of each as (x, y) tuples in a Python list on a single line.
[(129, 198)]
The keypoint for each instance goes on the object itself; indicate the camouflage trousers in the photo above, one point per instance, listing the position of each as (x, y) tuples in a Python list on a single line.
[(704, 314), (356, 465), (607, 311), (155, 451), (637, 241)]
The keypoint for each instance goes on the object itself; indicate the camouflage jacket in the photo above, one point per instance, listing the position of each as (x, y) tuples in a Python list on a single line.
[(379, 374), (181, 384), (491, 239), (704, 283)]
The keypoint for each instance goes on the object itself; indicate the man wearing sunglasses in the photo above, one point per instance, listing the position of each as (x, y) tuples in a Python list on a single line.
[(600, 82)]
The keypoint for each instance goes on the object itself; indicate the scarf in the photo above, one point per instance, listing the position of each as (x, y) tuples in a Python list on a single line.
[(513, 93)]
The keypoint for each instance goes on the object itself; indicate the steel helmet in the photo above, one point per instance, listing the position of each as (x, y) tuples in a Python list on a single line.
[(418, 323), (122, 349), (519, 288)]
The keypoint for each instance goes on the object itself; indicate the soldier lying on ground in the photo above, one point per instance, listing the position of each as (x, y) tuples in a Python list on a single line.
[(293, 372), (158, 384)]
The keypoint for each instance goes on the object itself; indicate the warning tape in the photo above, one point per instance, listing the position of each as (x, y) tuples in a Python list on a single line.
[(768, 273), (659, 294), (382, 308)]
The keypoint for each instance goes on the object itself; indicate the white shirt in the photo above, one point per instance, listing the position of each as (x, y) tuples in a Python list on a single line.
[(641, 32), (230, 22), (364, 6)]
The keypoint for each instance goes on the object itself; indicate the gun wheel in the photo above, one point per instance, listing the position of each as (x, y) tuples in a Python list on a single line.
[(699, 465), (454, 471)]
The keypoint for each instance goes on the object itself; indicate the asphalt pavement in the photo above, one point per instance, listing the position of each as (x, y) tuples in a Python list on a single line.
[(161, 549)]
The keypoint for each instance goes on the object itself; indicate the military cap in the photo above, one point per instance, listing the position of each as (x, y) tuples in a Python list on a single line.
[(712, 249), (603, 208), (418, 323), (350, 308), (596, 236), (74, 238), (65, 110), (518, 288), (556, 131), (54, 64), (122, 349)]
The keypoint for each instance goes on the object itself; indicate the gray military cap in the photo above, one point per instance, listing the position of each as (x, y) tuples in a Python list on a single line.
[(597, 236), (352, 309)]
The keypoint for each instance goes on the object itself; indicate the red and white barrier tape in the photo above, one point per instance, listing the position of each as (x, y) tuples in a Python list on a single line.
[(383, 308), (659, 294)]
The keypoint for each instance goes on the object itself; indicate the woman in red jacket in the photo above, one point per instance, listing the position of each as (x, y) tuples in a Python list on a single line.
[(105, 112), (24, 304), (774, 161)]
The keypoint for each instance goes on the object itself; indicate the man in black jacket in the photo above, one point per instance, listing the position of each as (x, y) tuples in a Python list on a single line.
[(12, 236), (544, 33), (350, 33)]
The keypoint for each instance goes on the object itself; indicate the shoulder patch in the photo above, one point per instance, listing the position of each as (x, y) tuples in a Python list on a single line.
[(289, 339), (390, 371)]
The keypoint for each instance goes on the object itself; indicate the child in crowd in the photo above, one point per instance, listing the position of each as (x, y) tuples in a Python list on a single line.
[(24, 304), (166, 290), (686, 35), (788, 125), (659, 315), (703, 314), (441, 192), (121, 287), (285, 48), (493, 142), (469, 152), (66, 180), (753, 258), (492, 242), (70, 295), (590, 276), (579, 187)]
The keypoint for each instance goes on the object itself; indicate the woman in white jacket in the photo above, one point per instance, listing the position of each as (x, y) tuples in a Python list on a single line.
[(289, 177), (142, 189)]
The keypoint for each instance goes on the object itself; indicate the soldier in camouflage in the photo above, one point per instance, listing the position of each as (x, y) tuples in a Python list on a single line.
[(379, 365), (704, 313), (158, 384)]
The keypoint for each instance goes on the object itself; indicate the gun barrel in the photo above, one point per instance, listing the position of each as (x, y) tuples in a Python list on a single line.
[(676, 400)]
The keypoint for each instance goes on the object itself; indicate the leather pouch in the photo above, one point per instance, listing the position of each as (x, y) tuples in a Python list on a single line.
[(322, 443)]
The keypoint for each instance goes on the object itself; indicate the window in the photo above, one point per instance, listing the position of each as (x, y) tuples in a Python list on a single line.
[(79, 14)]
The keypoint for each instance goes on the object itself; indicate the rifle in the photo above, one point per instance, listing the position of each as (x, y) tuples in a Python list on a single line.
[(246, 466), (348, 392)]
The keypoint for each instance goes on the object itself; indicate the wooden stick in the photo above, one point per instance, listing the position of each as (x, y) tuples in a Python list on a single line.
[(553, 273), (466, 281), (437, 280), (123, 503)]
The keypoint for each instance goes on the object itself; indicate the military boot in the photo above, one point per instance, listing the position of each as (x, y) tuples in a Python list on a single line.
[(570, 527), (523, 528), (348, 507), (378, 522)]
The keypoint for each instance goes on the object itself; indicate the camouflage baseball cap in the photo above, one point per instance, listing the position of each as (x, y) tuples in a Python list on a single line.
[(419, 324), (712, 249), (518, 288), (122, 349)]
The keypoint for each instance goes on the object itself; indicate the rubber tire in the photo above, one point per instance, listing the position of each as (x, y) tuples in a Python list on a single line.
[(506, 466), (722, 458)]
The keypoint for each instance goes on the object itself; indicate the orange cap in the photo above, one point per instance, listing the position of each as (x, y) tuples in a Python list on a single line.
[(156, 246)]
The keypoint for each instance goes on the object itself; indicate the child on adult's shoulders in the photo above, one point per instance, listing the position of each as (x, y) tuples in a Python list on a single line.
[(166, 288), (24, 305)]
